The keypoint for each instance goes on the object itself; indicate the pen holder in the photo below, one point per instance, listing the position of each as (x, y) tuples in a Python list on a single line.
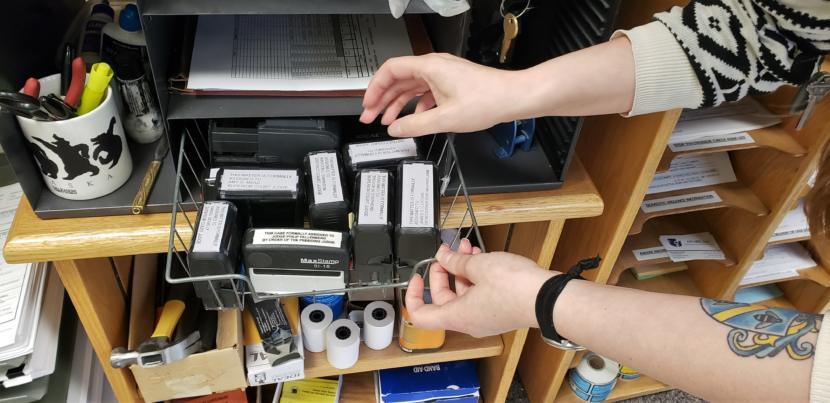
[(84, 157)]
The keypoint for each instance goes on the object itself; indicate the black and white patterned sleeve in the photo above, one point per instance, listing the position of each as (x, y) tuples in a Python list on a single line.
[(742, 47)]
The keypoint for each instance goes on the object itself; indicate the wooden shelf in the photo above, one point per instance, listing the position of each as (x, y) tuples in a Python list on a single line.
[(732, 194), (457, 347), (791, 240), (623, 390), (680, 283), (781, 302), (358, 388), (775, 137), (649, 237), (818, 275)]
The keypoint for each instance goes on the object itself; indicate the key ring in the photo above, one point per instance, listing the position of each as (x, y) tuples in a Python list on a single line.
[(521, 13)]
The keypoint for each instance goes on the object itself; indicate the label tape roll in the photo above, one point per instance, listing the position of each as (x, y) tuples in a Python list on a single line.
[(315, 319), (342, 343), (378, 325), (628, 373), (593, 378)]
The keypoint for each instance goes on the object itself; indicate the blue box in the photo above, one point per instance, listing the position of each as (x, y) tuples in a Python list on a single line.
[(455, 382)]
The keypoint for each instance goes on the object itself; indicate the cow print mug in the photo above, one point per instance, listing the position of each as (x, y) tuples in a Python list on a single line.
[(82, 158)]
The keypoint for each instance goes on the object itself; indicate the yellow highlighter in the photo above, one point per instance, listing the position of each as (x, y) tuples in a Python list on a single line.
[(96, 87)]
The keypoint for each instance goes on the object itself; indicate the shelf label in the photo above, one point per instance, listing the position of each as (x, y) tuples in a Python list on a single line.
[(680, 201), (374, 191), (702, 143), (794, 225), (693, 171), (211, 227), (325, 178), (657, 252), (700, 246)]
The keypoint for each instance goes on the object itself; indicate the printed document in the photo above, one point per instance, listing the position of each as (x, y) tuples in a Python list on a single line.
[(293, 52), (779, 261), (694, 171), (725, 119)]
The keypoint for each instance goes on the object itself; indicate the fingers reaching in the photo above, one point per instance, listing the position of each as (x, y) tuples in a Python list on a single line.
[(462, 265), (427, 316)]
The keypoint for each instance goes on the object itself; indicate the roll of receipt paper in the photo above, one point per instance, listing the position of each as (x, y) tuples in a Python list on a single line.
[(378, 324), (315, 319), (342, 343)]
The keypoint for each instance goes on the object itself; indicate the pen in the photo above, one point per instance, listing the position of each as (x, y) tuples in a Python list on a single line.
[(76, 85), (96, 88), (150, 176), (32, 87), (66, 72)]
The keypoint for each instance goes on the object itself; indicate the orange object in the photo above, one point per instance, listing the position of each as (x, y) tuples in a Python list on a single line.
[(413, 339)]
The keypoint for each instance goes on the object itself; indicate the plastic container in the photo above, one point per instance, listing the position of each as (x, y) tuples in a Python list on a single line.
[(89, 44)]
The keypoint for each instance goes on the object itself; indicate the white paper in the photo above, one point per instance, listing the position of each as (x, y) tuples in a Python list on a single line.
[(382, 150), (211, 227), (325, 178), (700, 246), (794, 225), (330, 239), (680, 201), (729, 118), (779, 261), (704, 142), (417, 209), (657, 252), (274, 180), (293, 52), (693, 171), (374, 191)]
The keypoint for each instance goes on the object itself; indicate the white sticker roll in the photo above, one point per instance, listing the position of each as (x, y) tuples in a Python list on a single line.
[(315, 319), (342, 343), (597, 369), (378, 325)]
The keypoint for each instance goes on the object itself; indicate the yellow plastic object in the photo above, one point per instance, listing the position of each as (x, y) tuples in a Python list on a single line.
[(96, 87), (250, 332), (169, 318), (291, 308)]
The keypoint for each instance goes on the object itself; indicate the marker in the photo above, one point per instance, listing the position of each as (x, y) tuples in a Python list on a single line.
[(96, 88)]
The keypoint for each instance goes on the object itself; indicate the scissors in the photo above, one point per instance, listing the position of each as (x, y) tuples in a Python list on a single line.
[(55, 107), (23, 105)]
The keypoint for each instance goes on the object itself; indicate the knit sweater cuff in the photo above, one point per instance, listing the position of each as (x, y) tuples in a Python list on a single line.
[(664, 76), (820, 378)]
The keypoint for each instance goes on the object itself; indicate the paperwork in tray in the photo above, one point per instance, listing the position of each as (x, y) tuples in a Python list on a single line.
[(779, 262), (293, 52), (794, 225), (700, 246), (687, 172), (720, 126)]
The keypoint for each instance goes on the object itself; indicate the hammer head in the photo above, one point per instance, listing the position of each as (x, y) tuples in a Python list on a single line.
[(152, 353)]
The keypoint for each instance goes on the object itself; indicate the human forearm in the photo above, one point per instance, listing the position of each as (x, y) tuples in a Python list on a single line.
[(673, 339)]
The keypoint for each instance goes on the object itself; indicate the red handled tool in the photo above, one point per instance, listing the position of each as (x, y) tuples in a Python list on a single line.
[(32, 87), (76, 86)]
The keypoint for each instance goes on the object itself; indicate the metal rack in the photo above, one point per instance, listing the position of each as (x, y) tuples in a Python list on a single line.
[(193, 158)]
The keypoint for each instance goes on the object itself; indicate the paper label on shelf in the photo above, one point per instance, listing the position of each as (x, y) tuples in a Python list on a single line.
[(330, 239), (727, 118), (211, 227), (693, 171), (700, 246), (779, 261), (705, 142), (794, 225), (417, 209), (274, 180), (657, 252), (325, 178), (680, 201), (212, 173), (382, 150), (374, 195)]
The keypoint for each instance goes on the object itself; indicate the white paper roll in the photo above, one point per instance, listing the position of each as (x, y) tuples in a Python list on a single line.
[(597, 369), (378, 325), (342, 343), (315, 319)]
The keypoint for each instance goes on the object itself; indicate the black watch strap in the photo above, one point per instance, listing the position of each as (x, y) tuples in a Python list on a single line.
[(549, 293)]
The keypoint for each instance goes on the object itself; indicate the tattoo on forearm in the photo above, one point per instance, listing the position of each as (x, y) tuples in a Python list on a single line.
[(761, 331)]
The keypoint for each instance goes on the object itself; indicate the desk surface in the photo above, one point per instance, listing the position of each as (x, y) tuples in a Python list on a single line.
[(32, 239)]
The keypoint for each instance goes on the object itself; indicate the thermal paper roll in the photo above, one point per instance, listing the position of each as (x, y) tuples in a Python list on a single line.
[(378, 324), (315, 319), (593, 378), (342, 343)]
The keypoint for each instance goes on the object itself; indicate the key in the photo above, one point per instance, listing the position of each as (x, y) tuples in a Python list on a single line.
[(511, 31), (817, 89)]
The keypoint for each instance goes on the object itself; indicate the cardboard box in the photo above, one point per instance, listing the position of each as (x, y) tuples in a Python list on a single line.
[(218, 370), (455, 381)]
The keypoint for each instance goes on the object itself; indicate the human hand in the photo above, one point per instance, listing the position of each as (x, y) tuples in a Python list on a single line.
[(466, 96), (495, 292)]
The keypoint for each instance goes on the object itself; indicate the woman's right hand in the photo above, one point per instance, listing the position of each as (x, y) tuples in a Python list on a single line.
[(456, 95)]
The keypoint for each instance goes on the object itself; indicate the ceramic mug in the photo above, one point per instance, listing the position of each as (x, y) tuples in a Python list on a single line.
[(82, 158)]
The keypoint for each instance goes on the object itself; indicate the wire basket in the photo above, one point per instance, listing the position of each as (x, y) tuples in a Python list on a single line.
[(193, 158)]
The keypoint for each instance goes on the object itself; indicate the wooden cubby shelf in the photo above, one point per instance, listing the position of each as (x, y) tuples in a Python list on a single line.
[(732, 194), (818, 275), (679, 283), (457, 347), (622, 390), (791, 240), (775, 137)]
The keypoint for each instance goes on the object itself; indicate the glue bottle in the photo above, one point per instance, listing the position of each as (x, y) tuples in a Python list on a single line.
[(89, 43), (123, 46)]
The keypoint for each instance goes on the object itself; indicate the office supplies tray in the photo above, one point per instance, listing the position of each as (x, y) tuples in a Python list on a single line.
[(192, 160)]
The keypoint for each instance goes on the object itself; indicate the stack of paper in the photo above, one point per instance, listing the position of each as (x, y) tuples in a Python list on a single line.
[(779, 262), (721, 126), (700, 246), (31, 300), (688, 172), (793, 226)]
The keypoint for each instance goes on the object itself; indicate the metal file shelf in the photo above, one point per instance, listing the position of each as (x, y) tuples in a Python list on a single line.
[(205, 7)]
